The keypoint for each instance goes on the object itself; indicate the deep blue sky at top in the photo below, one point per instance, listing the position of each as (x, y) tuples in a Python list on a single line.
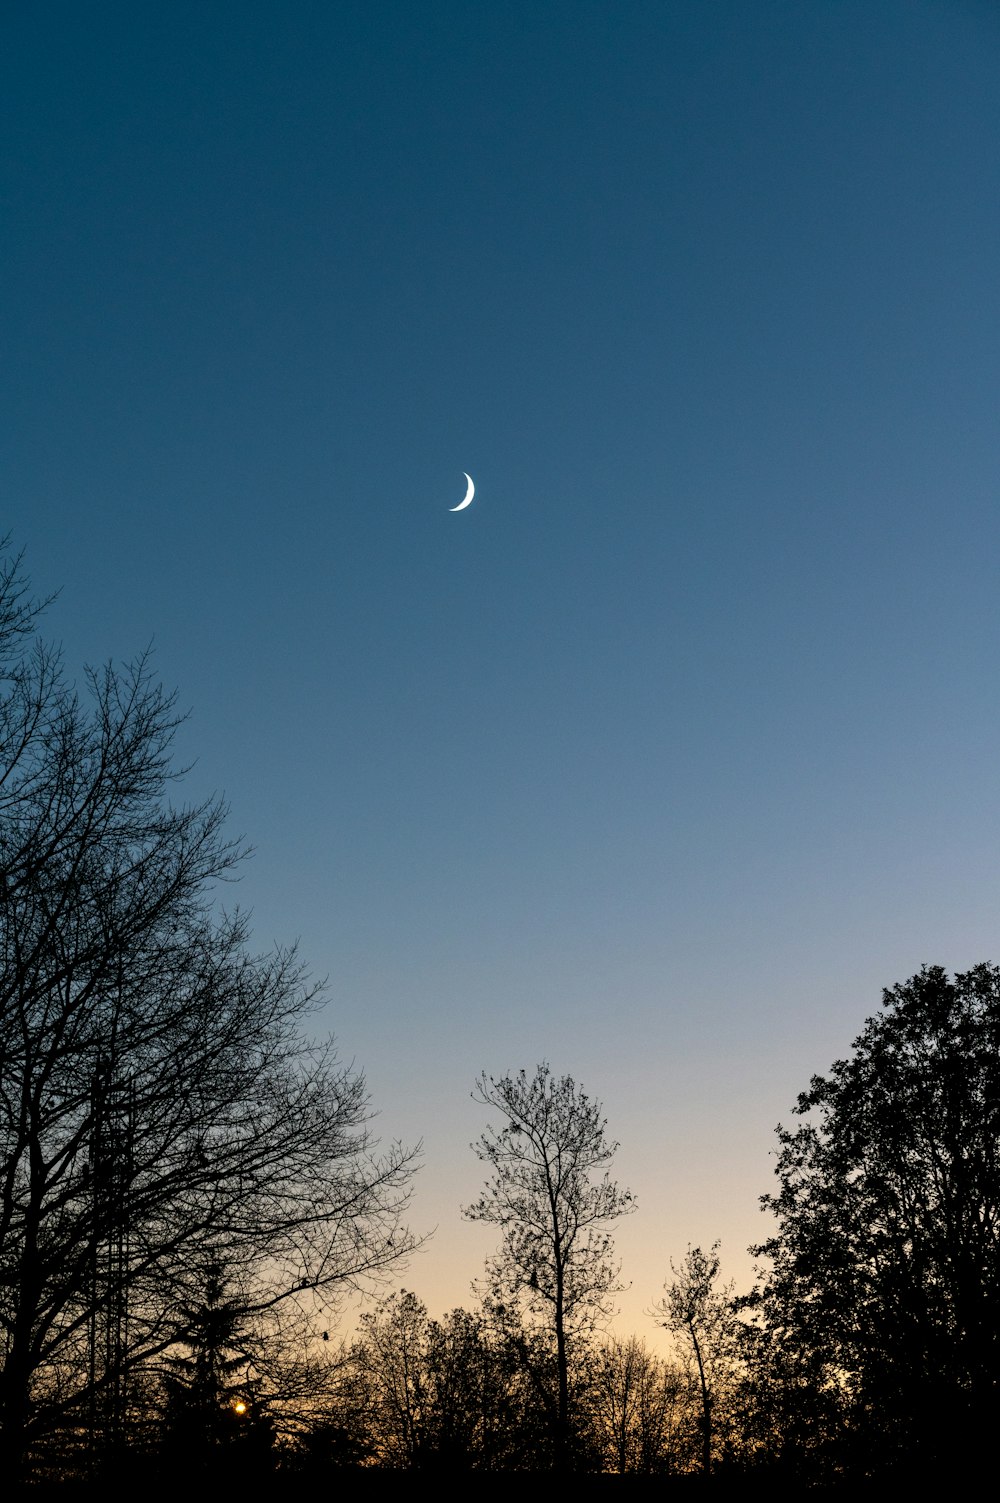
[(682, 741)]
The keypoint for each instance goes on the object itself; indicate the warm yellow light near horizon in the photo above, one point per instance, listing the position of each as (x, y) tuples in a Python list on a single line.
[(468, 495), (240, 1406)]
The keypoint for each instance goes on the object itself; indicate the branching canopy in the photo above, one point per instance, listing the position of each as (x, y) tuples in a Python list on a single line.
[(160, 1109)]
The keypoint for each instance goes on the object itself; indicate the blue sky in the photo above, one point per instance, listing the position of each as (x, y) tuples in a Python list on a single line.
[(680, 743)]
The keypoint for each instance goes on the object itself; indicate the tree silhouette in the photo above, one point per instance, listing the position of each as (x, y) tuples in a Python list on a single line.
[(214, 1417), (446, 1396), (885, 1267), (637, 1406), (554, 1201), (702, 1315), (159, 1106)]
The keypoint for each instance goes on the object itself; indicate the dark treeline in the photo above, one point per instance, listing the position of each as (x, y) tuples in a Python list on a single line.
[(870, 1346), (187, 1183)]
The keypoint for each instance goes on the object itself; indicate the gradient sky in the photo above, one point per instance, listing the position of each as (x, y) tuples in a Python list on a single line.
[(680, 743)]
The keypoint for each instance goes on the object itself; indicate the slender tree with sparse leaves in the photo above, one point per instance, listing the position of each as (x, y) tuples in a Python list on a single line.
[(554, 1201), (701, 1313)]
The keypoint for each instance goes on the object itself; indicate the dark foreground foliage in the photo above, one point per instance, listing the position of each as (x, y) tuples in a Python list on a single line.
[(881, 1305)]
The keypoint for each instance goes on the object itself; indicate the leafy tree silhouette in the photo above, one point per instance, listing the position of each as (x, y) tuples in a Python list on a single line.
[(884, 1271)]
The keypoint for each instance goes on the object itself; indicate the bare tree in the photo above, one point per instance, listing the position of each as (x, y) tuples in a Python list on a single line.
[(160, 1111), (391, 1353), (552, 1197), (444, 1395), (636, 1404)]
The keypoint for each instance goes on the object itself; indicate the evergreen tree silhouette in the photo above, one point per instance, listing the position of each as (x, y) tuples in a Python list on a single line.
[(214, 1418)]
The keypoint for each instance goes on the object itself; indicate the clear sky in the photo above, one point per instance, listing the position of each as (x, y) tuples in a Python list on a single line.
[(681, 742)]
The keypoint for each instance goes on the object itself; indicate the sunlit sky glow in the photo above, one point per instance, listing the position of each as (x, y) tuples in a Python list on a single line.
[(680, 742)]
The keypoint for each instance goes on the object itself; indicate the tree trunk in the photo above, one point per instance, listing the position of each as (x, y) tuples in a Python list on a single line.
[(706, 1408)]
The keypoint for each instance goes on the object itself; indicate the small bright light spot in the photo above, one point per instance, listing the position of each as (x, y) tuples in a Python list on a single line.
[(239, 1406)]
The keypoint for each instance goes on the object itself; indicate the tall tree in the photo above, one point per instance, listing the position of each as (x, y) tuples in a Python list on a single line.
[(551, 1195), (885, 1265), (160, 1110)]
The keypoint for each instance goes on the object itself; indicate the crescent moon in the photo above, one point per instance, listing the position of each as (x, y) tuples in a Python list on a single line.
[(468, 495)]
